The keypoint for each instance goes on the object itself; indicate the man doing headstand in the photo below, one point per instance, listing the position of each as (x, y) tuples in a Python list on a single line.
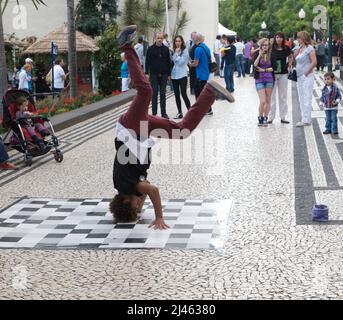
[(133, 145)]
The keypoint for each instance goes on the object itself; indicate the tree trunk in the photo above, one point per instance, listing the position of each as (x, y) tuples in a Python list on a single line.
[(3, 67), (72, 49)]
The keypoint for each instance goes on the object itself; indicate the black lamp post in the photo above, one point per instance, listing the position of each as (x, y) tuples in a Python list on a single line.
[(331, 2)]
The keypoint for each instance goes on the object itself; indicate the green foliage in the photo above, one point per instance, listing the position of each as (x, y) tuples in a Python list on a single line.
[(149, 15), (94, 16), (245, 16), (108, 61), (131, 11)]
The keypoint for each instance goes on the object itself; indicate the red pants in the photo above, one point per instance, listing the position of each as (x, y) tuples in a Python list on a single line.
[(138, 111)]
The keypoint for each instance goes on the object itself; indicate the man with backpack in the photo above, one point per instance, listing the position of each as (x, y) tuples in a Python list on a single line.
[(201, 62)]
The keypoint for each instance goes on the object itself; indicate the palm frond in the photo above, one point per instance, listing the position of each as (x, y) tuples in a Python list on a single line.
[(4, 3), (181, 23), (132, 9)]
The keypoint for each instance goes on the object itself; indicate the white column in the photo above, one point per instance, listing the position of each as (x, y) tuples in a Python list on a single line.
[(167, 19)]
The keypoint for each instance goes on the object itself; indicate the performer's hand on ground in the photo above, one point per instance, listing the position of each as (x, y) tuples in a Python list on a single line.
[(159, 224)]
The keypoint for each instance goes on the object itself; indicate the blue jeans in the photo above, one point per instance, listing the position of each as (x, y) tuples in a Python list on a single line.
[(228, 75), (331, 120), (240, 65), (3, 152)]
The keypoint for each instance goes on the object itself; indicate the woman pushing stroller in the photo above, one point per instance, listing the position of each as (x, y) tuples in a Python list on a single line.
[(135, 132)]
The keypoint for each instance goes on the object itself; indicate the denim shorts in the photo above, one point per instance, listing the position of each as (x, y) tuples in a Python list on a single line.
[(264, 85)]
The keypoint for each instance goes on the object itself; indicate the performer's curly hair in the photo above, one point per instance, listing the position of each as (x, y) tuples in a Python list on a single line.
[(122, 212)]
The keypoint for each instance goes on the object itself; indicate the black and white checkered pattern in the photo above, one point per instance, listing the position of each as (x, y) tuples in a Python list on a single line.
[(40, 223)]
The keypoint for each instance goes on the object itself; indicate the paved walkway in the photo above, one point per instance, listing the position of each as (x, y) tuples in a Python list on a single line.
[(272, 249)]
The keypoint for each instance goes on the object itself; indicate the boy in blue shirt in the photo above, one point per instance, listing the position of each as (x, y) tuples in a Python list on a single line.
[(329, 102)]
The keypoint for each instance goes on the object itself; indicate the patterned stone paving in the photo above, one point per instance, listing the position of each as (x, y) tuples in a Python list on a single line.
[(272, 250)]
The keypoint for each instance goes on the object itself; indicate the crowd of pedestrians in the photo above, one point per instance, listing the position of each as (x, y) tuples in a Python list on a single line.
[(183, 64), (268, 60)]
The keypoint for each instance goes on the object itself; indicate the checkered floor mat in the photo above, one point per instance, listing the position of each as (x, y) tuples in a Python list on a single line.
[(86, 224)]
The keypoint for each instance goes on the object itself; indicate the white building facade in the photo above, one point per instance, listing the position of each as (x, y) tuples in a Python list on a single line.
[(26, 21)]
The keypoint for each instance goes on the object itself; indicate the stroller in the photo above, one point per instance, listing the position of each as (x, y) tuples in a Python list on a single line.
[(19, 137)]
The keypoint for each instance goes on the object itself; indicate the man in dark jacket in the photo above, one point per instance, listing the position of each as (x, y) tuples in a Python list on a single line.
[(158, 67)]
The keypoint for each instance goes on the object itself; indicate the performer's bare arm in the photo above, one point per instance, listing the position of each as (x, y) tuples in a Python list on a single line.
[(152, 191)]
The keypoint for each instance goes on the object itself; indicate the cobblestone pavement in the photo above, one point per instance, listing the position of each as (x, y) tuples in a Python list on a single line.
[(272, 250)]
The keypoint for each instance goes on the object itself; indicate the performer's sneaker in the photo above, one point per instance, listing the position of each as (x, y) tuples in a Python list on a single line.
[(127, 36), (220, 92)]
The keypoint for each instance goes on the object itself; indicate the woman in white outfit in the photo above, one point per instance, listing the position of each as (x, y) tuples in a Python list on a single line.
[(306, 61), (281, 60)]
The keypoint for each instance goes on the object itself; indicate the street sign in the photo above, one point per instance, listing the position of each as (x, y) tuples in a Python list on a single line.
[(54, 49)]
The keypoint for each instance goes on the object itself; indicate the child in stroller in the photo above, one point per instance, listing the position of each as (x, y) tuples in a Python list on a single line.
[(27, 131), (27, 122)]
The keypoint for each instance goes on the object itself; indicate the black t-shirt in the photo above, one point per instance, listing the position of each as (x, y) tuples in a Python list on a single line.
[(127, 175), (279, 60), (230, 55)]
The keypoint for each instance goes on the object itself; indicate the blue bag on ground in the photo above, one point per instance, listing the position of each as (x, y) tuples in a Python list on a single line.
[(320, 212)]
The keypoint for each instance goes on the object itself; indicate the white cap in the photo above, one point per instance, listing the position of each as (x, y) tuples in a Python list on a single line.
[(28, 60)]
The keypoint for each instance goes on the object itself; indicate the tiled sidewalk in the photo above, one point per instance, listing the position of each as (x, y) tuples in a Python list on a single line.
[(268, 252), (318, 161)]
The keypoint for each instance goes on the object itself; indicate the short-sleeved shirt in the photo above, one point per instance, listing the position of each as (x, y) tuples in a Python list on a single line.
[(58, 77), (239, 48), (24, 79), (303, 61), (279, 60), (248, 47), (124, 70), (265, 77), (320, 49), (217, 46), (203, 55), (126, 176)]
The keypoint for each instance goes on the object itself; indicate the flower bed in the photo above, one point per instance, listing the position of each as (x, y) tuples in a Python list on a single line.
[(50, 107)]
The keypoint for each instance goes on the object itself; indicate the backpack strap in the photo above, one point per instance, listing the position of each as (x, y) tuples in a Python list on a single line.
[(208, 57)]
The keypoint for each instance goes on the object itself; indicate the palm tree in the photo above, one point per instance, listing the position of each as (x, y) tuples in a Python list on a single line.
[(181, 19), (72, 48), (3, 66), (146, 14)]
